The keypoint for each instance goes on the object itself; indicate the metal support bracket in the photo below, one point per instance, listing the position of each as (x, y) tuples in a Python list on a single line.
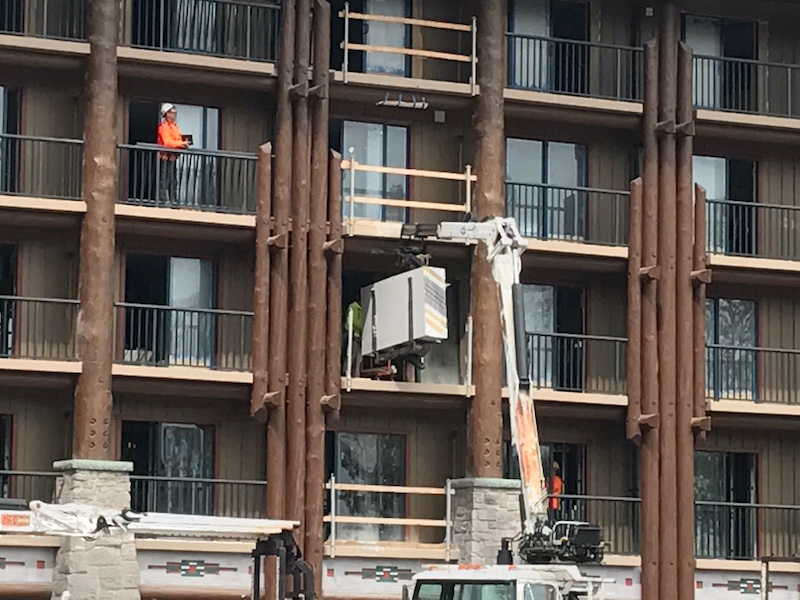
[(331, 402), (649, 422), (278, 242), (648, 274), (702, 276), (701, 424), (333, 247)]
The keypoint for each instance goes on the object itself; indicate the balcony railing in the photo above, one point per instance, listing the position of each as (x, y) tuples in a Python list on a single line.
[(577, 363), (574, 67), (38, 328), (378, 513), (550, 212), (228, 28), (379, 193), (753, 374), (391, 55), (207, 180), (199, 496), (746, 86), (57, 19), (187, 337), (29, 485), (41, 167)]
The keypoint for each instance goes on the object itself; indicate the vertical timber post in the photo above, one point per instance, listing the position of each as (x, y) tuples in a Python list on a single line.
[(667, 237), (260, 352), (701, 276), (649, 420), (317, 280), (485, 422), (685, 336), (633, 353), (298, 278), (92, 416), (334, 248)]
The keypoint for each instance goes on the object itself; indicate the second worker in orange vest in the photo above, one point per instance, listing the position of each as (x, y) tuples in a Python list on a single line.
[(556, 488)]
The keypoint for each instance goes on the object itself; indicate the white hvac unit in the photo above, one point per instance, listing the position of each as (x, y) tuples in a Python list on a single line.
[(405, 310)]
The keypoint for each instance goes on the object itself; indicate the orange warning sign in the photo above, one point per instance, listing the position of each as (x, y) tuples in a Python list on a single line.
[(12, 520)]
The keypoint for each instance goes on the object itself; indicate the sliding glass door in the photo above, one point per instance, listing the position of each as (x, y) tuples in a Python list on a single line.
[(193, 326)]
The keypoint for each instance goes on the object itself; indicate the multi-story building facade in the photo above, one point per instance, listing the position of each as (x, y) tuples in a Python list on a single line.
[(185, 271)]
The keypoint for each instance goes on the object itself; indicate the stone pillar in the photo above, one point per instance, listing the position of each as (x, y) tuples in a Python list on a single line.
[(106, 567), (484, 512)]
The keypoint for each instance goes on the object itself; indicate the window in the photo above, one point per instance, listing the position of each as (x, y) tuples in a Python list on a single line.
[(723, 84), (541, 182), (368, 459), (722, 481), (541, 54), (9, 146), (538, 591), (5, 455), (554, 322), (730, 186), (168, 316), (731, 354), (478, 590), (164, 455), (374, 144), (8, 286)]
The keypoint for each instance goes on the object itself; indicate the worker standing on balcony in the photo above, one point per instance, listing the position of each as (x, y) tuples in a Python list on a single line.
[(353, 311), (556, 488), (169, 135)]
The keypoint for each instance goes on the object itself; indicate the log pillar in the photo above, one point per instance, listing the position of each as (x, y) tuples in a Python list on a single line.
[(485, 421), (92, 417)]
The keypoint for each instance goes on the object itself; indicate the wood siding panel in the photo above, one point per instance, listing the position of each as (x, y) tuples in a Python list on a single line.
[(435, 147), (778, 328), (778, 229), (606, 316), (246, 125), (235, 332), (609, 169)]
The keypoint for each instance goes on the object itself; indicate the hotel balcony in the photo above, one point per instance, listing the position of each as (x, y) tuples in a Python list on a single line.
[(38, 329)]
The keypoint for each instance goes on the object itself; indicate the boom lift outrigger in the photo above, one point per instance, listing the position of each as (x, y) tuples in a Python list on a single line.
[(540, 541)]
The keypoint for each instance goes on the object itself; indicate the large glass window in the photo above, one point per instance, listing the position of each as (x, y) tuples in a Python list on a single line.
[(725, 521), (368, 459), (731, 355), (375, 144), (475, 590), (544, 182)]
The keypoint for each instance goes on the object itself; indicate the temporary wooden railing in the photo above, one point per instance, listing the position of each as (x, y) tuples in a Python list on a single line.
[(349, 46), (351, 197), (334, 520)]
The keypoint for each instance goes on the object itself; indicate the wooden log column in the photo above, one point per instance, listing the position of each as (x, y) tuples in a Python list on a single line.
[(485, 422), (701, 276), (667, 242), (317, 288), (633, 383), (92, 417), (260, 353), (279, 274), (685, 335), (649, 419), (334, 248), (298, 278)]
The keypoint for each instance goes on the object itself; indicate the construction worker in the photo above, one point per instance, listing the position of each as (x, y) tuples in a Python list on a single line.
[(169, 135), (556, 488), (353, 309)]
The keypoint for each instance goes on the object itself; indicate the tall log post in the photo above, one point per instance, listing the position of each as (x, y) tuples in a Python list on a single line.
[(649, 464), (317, 287), (298, 278), (260, 352), (485, 422), (701, 276), (92, 417), (633, 384), (685, 335), (667, 238), (334, 248)]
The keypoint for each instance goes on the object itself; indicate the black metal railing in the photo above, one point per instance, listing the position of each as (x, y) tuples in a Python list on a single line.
[(574, 67), (577, 363), (754, 374), (226, 28), (551, 212), (57, 19), (746, 86), (38, 328), (41, 167), (29, 485), (619, 518), (199, 496), (753, 229), (208, 180), (162, 335)]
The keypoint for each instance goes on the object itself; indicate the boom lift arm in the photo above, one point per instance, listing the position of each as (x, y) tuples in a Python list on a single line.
[(540, 540)]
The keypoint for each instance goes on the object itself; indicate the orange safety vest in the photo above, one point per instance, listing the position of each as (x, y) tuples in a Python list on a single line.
[(169, 135), (556, 487)]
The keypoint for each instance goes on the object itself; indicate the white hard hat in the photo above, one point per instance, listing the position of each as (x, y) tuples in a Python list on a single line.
[(166, 107)]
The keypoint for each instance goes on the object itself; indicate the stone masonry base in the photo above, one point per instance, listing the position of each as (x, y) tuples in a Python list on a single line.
[(105, 568), (484, 512)]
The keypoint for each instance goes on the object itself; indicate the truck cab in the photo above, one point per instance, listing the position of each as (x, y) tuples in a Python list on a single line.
[(505, 582)]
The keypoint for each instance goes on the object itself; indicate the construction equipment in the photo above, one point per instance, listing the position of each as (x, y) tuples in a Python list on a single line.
[(270, 537), (540, 541)]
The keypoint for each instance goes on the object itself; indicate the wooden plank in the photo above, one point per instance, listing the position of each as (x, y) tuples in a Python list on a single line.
[(346, 165), (388, 521), (408, 21), (387, 489), (406, 203), (411, 52)]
